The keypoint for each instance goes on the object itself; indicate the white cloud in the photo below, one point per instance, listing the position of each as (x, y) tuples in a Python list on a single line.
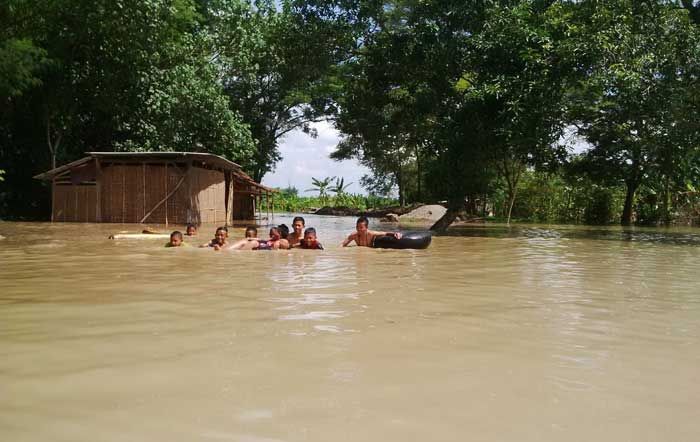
[(304, 157)]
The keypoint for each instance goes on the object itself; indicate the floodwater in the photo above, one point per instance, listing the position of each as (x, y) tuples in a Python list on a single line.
[(529, 333)]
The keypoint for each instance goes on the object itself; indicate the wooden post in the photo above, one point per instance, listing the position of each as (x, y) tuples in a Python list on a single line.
[(190, 209), (98, 191), (227, 195)]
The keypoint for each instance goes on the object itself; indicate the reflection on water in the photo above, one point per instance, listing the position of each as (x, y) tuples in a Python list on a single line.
[(502, 333)]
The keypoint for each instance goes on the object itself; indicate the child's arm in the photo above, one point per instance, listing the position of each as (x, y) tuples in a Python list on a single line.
[(349, 239), (396, 235)]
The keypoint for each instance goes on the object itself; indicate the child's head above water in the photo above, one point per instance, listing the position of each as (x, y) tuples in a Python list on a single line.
[(310, 234), (298, 224), (221, 235), (251, 232), (284, 230), (191, 230), (275, 233), (176, 239), (362, 223), (310, 241)]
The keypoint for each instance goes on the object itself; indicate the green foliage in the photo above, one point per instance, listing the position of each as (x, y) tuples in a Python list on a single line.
[(285, 202), (278, 69), (322, 186), (459, 101)]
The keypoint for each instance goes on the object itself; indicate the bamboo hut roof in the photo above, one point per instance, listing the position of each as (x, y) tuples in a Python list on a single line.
[(199, 158)]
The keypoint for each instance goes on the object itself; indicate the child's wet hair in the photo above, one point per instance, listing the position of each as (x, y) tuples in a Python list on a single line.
[(222, 228), (284, 230), (191, 226), (176, 234), (362, 219), (251, 229), (310, 231), (299, 218)]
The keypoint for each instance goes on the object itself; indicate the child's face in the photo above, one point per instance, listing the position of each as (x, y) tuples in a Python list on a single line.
[(175, 241), (274, 234), (310, 239), (361, 227), (298, 227), (191, 231), (251, 233), (220, 236)]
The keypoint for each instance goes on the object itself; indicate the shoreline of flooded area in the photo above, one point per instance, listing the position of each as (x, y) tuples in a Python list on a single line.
[(499, 333)]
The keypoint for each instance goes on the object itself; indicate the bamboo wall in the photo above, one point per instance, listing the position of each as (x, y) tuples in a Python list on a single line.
[(131, 191), (209, 196), (127, 192), (74, 203)]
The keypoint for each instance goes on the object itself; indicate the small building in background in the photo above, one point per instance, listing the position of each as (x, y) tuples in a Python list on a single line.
[(155, 187)]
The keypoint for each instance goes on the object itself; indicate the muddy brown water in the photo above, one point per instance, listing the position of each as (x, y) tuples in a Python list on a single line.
[(528, 333)]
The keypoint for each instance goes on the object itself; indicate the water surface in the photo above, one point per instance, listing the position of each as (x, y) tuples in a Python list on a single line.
[(527, 333)]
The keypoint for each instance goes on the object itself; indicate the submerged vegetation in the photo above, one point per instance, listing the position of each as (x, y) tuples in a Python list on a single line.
[(551, 111)]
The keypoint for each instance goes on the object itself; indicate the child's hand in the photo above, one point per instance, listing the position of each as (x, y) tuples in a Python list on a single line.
[(217, 247), (397, 235)]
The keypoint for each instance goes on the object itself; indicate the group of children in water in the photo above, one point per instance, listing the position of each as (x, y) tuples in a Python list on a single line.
[(280, 237)]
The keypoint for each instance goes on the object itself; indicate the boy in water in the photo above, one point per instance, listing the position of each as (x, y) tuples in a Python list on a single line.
[(297, 235), (363, 236), (277, 239), (310, 241), (176, 240), (220, 239), (249, 242), (191, 230)]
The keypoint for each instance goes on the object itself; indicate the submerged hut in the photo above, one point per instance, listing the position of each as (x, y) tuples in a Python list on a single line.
[(154, 187)]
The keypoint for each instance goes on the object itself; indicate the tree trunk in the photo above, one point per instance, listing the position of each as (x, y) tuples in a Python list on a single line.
[(399, 182), (511, 201), (54, 144), (629, 201), (455, 208), (419, 195), (667, 201)]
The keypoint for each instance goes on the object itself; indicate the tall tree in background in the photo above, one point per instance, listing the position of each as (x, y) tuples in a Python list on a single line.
[(634, 105), (126, 75), (277, 64)]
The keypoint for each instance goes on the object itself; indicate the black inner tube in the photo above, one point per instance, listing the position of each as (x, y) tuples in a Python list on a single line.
[(409, 240)]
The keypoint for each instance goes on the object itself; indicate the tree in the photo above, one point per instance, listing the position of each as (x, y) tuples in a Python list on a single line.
[(322, 186), (128, 75), (277, 65), (638, 91), (339, 187)]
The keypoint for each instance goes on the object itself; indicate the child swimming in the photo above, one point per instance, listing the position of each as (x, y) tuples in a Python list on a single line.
[(191, 230), (297, 234), (363, 236), (249, 242), (176, 240), (310, 241), (220, 239)]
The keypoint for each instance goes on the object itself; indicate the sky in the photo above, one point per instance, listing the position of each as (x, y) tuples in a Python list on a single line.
[(304, 157)]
